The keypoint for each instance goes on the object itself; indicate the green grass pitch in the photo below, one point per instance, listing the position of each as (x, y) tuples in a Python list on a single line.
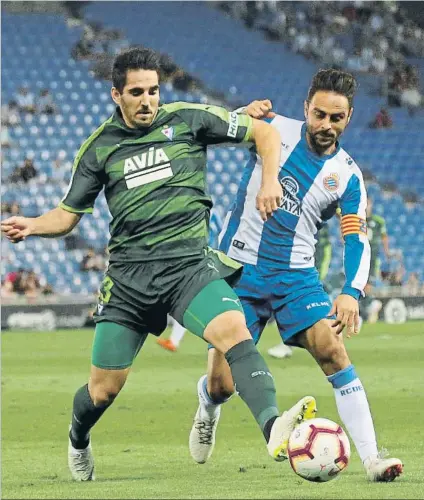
[(141, 443)]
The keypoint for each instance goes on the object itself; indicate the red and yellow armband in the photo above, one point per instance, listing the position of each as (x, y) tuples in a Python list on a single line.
[(353, 224)]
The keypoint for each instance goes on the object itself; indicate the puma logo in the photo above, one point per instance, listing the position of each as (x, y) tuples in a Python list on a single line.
[(212, 266), (236, 301)]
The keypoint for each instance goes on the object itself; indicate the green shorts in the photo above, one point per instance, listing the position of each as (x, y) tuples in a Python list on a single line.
[(136, 298)]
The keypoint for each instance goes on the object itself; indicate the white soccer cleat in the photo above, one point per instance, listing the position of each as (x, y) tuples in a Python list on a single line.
[(280, 351), (81, 463), (381, 469), (202, 436), (305, 409)]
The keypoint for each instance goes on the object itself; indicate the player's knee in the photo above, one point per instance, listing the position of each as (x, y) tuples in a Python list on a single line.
[(104, 386), (220, 389), (334, 357), (227, 330), (104, 394), (328, 348)]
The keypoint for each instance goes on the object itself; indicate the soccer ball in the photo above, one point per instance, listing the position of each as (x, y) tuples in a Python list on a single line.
[(318, 450)]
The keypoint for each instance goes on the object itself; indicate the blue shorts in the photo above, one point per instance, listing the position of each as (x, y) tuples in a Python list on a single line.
[(295, 298)]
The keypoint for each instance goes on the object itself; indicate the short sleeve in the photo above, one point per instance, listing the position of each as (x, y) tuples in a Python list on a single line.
[(214, 124), (86, 183)]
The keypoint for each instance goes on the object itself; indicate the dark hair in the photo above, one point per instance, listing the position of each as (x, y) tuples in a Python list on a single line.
[(333, 80), (135, 58)]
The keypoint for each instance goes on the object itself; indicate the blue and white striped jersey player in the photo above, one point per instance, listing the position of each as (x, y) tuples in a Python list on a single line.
[(279, 277)]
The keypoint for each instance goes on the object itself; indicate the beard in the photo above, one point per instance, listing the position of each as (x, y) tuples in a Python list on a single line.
[(321, 141)]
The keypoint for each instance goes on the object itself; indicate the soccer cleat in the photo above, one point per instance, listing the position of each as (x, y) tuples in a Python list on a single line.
[(167, 344), (202, 436), (81, 463), (280, 351), (305, 409), (382, 469)]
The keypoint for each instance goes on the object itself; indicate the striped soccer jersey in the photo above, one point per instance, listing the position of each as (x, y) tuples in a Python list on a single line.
[(313, 187)]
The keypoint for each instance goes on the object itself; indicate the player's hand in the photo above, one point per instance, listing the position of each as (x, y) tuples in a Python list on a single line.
[(269, 199), (260, 109), (346, 309), (16, 229)]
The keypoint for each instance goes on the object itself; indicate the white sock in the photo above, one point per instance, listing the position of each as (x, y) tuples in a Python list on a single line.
[(354, 411), (208, 409), (177, 334)]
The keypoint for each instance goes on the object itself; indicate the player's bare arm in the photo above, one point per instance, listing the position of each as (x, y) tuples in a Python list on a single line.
[(56, 222), (268, 145)]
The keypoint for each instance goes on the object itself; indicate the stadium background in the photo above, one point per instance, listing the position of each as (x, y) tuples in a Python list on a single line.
[(218, 52)]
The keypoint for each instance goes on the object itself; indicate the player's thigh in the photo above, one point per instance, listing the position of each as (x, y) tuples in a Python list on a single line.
[(256, 312), (128, 309), (115, 346), (216, 315), (302, 308), (252, 289), (195, 280)]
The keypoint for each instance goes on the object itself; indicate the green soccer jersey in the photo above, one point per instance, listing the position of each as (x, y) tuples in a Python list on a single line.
[(154, 179), (376, 230)]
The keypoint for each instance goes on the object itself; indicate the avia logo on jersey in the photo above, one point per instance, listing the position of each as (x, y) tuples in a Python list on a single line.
[(147, 167), (331, 182), (233, 125), (290, 202)]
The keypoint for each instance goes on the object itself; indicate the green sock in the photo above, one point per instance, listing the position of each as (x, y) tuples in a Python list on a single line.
[(253, 382), (84, 416)]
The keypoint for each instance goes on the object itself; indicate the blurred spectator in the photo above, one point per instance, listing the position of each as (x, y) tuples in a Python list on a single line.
[(374, 37), (412, 285), (410, 97), (61, 168), (13, 283), (382, 120), (102, 67), (25, 100), (24, 173), (10, 209), (45, 103), (92, 261), (74, 8), (395, 272), (74, 240), (10, 114), (31, 285), (23, 282), (5, 137)]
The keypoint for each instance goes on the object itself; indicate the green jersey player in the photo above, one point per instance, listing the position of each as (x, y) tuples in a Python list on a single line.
[(151, 162), (377, 235)]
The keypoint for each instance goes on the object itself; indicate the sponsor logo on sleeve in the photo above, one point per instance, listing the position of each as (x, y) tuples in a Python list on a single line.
[(233, 125)]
